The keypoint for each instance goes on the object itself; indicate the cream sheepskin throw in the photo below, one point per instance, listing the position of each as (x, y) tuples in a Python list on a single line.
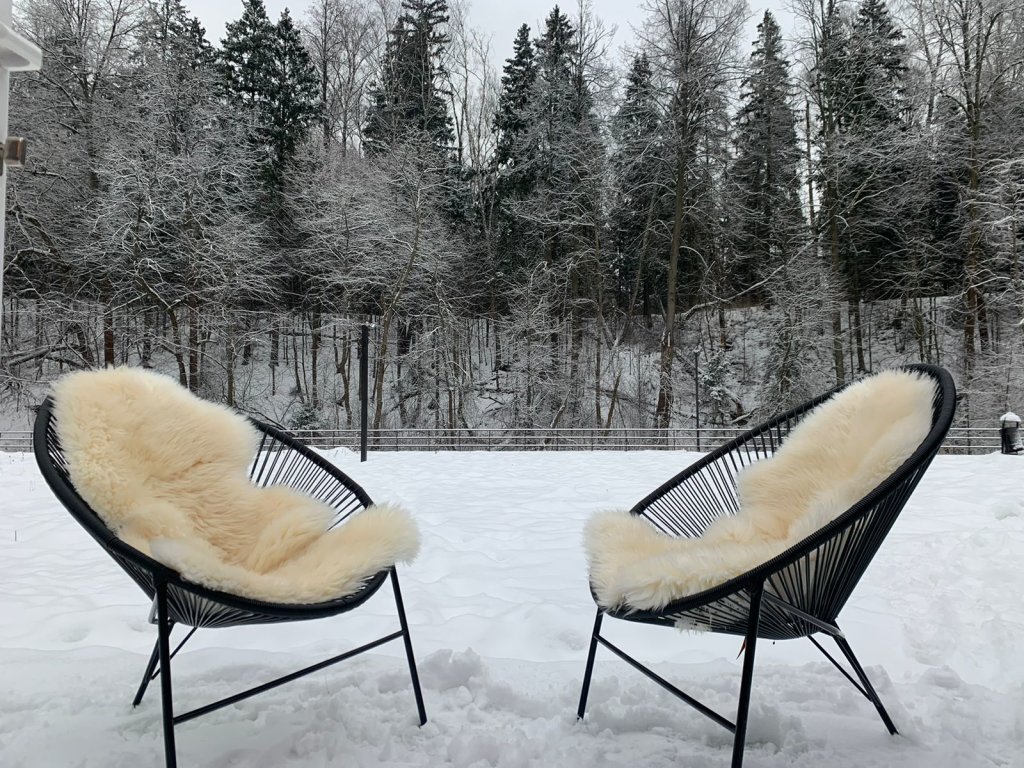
[(169, 473), (833, 458)]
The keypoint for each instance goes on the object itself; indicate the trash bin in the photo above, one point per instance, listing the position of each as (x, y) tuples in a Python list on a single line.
[(1009, 433)]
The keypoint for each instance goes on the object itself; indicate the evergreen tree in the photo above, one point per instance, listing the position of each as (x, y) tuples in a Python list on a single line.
[(293, 100), (539, 194), (565, 135), (175, 37), (513, 149), (767, 218), (555, 107), (408, 103), (863, 148), (514, 169), (246, 57), (268, 73), (829, 90), (641, 173), (875, 169), (878, 59)]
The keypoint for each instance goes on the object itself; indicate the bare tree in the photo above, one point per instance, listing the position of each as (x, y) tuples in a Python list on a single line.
[(692, 47), (343, 38), (87, 75)]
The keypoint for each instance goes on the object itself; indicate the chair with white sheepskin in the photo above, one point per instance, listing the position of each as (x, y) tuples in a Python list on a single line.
[(767, 536), (220, 519)]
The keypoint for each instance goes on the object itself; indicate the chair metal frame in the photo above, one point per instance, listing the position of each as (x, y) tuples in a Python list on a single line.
[(798, 593), (280, 460)]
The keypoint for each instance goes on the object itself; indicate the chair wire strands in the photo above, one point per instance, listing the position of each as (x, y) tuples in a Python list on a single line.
[(280, 460), (798, 593)]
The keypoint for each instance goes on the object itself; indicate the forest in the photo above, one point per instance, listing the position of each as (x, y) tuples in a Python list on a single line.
[(696, 226)]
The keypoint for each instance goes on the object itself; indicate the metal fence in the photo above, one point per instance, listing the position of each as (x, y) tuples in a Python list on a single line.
[(961, 440)]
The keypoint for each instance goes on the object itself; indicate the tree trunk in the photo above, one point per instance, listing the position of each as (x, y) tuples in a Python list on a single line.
[(858, 332), (299, 389), (108, 335), (663, 411), (229, 367), (837, 319), (379, 369), (275, 351), (314, 351), (193, 343)]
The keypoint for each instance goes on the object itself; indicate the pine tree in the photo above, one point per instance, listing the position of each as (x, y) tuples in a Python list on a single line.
[(268, 73), (174, 36), (513, 149), (862, 145), (564, 132), (514, 169), (874, 172), (293, 101), (829, 90), (408, 103), (765, 173), (554, 107), (246, 57), (878, 59), (641, 172)]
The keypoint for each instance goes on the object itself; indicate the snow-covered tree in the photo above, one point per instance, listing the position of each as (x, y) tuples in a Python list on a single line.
[(766, 219), (408, 102)]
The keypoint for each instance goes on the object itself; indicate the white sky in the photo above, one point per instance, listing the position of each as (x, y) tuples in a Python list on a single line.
[(498, 18)]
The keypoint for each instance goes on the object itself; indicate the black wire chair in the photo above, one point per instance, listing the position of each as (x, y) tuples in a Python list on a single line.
[(280, 460), (796, 594)]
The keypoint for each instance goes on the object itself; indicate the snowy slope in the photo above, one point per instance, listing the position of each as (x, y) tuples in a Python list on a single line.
[(500, 613)]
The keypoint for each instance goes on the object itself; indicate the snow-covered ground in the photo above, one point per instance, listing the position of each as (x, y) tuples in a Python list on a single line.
[(500, 614)]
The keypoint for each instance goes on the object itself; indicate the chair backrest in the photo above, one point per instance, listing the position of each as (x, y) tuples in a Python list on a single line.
[(818, 574)]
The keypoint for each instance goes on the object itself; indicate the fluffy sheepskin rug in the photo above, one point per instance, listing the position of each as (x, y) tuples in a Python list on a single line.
[(169, 473), (833, 458)]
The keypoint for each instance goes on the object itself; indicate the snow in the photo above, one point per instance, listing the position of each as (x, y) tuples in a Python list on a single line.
[(500, 614)]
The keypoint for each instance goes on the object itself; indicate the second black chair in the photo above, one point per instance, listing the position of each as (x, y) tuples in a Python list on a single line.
[(796, 593)]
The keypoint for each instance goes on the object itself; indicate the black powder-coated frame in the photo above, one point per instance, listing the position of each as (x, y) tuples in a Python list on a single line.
[(280, 460), (796, 594)]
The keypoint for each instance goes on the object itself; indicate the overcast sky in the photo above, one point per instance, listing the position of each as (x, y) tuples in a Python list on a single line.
[(498, 18)]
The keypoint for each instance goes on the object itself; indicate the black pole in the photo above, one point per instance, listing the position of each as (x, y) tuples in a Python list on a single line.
[(166, 696), (748, 673), (364, 357), (696, 396)]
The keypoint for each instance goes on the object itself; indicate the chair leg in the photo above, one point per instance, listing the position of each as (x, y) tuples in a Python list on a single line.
[(748, 674), (844, 646), (164, 646), (148, 674), (590, 665), (151, 668), (408, 648)]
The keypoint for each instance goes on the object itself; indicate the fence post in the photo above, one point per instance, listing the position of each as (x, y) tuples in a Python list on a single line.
[(696, 395), (364, 395)]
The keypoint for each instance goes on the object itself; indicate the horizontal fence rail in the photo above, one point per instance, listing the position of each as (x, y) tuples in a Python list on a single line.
[(960, 440)]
